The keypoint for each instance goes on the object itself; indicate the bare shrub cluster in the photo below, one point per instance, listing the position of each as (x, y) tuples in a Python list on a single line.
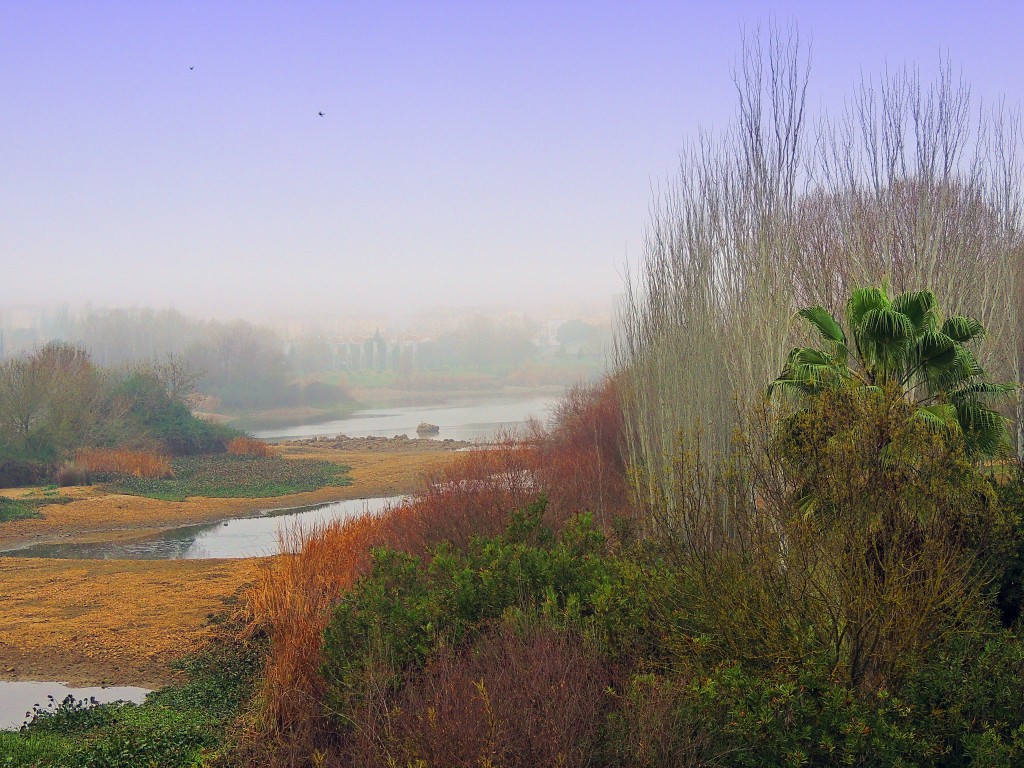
[(249, 446)]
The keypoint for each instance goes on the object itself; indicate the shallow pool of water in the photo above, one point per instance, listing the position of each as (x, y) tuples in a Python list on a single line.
[(458, 421), (18, 698), (256, 536)]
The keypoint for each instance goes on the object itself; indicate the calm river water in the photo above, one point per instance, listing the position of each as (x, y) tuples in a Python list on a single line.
[(458, 421), (17, 699), (239, 537)]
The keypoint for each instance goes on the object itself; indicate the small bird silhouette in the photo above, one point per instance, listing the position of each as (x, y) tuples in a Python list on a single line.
[(191, 68), (321, 114)]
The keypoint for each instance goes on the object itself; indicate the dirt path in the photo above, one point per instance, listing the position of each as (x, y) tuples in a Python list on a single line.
[(122, 621)]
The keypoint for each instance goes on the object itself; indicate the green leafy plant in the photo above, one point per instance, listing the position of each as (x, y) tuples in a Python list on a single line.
[(904, 344)]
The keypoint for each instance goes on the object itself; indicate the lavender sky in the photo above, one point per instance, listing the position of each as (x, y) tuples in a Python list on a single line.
[(469, 153)]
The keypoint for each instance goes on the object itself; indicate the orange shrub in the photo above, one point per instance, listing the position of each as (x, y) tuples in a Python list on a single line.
[(292, 599), (250, 446), (577, 465), (138, 463), (517, 699)]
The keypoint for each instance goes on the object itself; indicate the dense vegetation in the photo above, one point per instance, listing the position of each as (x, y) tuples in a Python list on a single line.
[(233, 476), (874, 626), (187, 724), (693, 568), (56, 402), (827, 579)]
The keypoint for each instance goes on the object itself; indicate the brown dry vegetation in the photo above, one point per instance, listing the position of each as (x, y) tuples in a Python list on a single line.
[(122, 621), (117, 621), (471, 495), (250, 446), (138, 463)]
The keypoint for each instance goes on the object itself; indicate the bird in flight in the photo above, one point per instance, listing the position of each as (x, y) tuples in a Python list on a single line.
[(191, 68), (321, 114)]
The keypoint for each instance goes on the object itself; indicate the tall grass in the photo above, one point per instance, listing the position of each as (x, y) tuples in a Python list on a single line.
[(124, 462), (249, 446), (911, 183), (578, 464)]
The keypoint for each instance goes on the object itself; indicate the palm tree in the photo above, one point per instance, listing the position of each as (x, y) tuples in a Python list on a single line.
[(903, 344)]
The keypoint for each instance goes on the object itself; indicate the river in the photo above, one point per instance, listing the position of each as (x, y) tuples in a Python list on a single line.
[(475, 421), (254, 536)]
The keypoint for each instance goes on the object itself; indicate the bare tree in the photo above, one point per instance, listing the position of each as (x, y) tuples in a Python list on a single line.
[(911, 183)]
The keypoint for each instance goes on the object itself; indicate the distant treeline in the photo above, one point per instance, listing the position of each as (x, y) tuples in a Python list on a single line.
[(245, 366), (57, 401)]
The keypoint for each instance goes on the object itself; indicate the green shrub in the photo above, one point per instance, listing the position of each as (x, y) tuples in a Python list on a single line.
[(226, 475), (406, 609)]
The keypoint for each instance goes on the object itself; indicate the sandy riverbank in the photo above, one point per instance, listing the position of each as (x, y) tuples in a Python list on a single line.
[(122, 621)]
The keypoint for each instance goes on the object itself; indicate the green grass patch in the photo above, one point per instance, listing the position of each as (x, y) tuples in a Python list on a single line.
[(231, 476), (183, 725), (27, 507)]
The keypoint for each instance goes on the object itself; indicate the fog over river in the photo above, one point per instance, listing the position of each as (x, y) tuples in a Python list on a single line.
[(477, 421)]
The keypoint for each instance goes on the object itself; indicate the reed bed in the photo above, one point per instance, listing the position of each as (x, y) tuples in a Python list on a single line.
[(124, 462), (249, 446)]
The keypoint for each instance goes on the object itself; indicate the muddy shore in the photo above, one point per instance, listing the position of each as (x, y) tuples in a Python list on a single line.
[(91, 622)]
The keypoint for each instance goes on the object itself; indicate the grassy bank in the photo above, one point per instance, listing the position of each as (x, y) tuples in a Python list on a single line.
[(234, 476), (28, 507), (181, 725)]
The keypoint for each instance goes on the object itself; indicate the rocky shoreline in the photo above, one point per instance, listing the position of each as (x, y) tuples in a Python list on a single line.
[(402, 443)]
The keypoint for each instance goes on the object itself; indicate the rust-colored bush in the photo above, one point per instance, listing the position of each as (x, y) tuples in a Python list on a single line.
[(122, 461), (581, 459), (250, 446), (578, 466), (520, 696)]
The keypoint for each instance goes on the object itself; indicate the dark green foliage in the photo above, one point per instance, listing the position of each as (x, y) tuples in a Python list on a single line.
[(406, 608), (1010, 581), (738, 717), (28, 507), (966, 700), (154, 414), (184, 725), (234, 476)]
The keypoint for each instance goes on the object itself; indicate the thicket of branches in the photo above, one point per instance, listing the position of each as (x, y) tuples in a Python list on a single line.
[(914, 182)]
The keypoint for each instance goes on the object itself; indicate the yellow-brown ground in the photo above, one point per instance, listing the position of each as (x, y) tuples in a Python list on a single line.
[(122, 621), (99, 516)]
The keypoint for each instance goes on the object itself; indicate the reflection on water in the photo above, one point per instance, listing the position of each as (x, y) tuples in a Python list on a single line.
[(475, 421), (17, 699), (240, 537)]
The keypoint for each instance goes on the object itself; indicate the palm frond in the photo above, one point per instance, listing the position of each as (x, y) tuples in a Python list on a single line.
[(962, 329), (825, 324), (940, 418), (921, 307), (985, 431), (862, 301)]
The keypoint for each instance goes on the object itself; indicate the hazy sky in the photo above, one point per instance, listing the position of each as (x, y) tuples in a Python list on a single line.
[(468, 153)]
